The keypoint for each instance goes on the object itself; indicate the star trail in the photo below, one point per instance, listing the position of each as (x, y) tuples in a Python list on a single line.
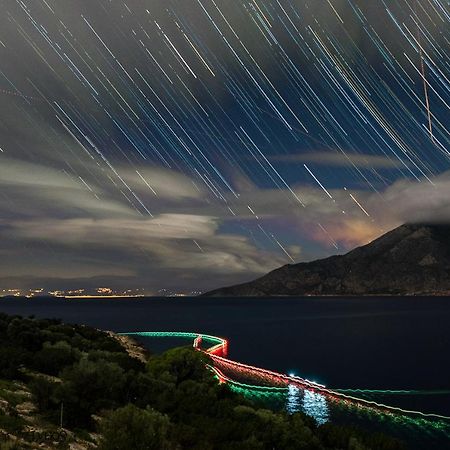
[(149, 143)]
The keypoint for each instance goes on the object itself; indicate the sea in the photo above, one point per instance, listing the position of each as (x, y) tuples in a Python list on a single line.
[(394, 350)]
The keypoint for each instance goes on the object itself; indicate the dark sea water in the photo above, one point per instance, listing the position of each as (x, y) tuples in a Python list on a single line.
[(371, 343)]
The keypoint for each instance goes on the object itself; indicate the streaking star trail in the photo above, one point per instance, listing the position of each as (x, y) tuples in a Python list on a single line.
[(211, 135)]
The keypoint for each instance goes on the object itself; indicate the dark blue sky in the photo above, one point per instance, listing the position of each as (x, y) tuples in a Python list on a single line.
[(187, 144)]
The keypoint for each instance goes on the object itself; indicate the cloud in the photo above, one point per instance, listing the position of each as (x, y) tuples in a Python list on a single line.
[(117, 232), (413, 201), (15, 172), (338, 159), (75, 186), (171, 249), (405, 201), (31, 190), (57, 224), (341, 219), (163, 183)]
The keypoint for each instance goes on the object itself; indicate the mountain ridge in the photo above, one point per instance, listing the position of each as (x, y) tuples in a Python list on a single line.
[(412, 259)]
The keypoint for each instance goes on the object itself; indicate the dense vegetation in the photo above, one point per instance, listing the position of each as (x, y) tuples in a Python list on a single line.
[(85, 378)]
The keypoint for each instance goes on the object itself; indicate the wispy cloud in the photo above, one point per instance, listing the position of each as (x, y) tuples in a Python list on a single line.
[(56, 224), (340, 159)]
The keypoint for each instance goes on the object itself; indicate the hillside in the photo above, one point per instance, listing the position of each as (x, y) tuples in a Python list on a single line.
[(409, 260), (74, 387)]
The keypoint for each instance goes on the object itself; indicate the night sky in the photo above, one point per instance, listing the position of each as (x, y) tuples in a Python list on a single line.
[(190, 144)]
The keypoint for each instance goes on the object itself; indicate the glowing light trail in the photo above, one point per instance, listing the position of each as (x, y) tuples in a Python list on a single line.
[(271, 379)]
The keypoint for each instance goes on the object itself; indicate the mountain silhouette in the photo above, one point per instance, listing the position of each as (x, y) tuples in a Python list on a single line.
[(413, 259)]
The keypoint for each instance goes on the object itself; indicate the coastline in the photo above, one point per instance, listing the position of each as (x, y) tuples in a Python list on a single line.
[(132, 347)]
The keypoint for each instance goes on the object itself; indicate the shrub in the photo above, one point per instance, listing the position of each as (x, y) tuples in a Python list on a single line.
[(52, 358), (11, 360), (88, 387), (132, 428), (12, 423), (180, 364), (43, 390)]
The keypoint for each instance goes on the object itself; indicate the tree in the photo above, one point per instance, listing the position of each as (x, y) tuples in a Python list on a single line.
[(42, 390), (52, 358), (132, 428), (25, 333), (11, 359), (180, 364), (88, 387)]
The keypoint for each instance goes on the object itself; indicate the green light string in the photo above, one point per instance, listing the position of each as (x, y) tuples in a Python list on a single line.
[(254, 387), (395, 391), (334, 394)]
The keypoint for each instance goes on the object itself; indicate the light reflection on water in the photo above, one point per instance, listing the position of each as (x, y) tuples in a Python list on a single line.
[(316, 405), (311, 403), (418, 433)]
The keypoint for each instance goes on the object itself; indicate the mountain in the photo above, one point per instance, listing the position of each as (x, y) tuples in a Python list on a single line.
[(413, 259)]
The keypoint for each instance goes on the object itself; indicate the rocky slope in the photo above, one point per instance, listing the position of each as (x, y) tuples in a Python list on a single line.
[(409, 260)]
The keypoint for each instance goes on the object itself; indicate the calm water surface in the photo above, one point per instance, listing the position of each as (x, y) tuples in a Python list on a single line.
[(375, 343)]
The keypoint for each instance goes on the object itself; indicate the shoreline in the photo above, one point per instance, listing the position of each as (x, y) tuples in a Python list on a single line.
[(132, 347), (204, 296)]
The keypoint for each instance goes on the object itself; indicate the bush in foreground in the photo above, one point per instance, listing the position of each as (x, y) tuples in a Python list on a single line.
[(172, 402), (130, 427)]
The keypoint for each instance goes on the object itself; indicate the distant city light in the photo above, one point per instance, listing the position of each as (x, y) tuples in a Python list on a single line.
[(106, 292)]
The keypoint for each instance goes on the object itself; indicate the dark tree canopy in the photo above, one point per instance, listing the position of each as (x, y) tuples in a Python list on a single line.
[(172, 402)]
